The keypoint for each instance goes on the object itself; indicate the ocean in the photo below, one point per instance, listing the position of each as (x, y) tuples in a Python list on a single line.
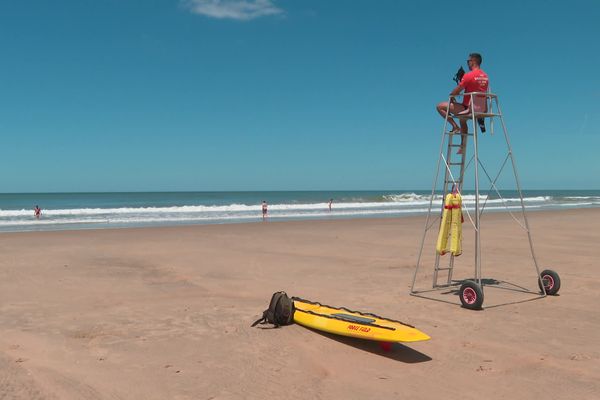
[(62, 211)]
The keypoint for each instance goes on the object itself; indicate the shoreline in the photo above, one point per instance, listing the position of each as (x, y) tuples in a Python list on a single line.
[(257, 220), (73, 211)]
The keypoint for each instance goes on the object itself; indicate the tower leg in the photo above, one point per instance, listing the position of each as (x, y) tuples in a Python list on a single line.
[(435, 180), (477, 214), (517, 181)]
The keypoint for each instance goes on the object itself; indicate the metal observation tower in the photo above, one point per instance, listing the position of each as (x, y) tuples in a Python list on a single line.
[(483, 107)]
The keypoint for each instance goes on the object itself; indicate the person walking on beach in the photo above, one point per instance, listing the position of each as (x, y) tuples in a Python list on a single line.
[(330, 202), (264, 209), (37, 212), (473, 81)]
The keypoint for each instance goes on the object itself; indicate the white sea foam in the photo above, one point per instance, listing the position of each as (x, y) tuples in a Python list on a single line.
[(407, 198), (416, 201), (392, 205), (135, 219)]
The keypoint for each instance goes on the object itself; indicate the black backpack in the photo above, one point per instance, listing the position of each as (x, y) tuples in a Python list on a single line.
[(280, 311)]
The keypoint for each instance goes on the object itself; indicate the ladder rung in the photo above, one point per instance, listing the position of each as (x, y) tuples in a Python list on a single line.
[(443, 269), (455, 163)]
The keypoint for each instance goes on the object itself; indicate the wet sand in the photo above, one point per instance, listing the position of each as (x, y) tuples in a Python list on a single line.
[(165, 313)]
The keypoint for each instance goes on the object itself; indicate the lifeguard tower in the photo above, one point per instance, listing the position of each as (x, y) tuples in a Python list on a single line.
[(484, 108)]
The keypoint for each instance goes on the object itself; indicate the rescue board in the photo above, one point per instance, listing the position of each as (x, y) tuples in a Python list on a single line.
[(341, 321)]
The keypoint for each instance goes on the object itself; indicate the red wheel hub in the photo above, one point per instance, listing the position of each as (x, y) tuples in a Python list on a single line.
[(469, 295), (548, 282)]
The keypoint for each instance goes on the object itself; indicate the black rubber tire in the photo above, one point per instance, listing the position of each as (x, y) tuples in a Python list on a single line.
[(551, 282), (471, 295)]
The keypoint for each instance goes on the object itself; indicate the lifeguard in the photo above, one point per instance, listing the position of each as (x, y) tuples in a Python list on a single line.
[(476, 80)]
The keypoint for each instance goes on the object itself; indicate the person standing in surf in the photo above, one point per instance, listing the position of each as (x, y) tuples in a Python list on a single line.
[(473, 81), (37, 212), (264, 209), (330, 203)]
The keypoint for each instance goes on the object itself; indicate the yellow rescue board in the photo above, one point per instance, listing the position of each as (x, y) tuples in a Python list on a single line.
[(342, 321)]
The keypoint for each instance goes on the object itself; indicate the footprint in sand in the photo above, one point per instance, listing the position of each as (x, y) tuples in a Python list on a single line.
[(171, 366), (579, 357)]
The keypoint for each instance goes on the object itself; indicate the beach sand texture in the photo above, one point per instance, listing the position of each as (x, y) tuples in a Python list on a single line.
[(165, 313)]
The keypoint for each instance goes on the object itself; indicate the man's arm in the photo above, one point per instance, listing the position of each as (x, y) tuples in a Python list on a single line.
[(456, 91)]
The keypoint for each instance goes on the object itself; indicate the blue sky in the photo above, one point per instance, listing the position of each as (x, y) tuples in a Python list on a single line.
[(134, 95)]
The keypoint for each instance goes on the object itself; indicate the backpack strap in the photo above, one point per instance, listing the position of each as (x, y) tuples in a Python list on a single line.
[(262, 320)]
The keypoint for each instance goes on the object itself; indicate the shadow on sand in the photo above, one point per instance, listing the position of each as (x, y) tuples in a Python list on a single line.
[(439, 294), (393, 351)]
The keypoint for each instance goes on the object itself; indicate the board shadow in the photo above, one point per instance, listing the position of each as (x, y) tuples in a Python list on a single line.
[(393, 351)]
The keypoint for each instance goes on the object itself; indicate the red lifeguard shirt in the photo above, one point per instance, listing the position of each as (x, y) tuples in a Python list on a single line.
[(474, 81)]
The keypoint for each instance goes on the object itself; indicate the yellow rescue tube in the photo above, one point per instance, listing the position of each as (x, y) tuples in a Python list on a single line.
[(451, 226), (456, 226), (442, 241), (342, 321)]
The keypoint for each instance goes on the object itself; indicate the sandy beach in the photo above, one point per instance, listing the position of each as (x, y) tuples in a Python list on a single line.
[(165, 313)]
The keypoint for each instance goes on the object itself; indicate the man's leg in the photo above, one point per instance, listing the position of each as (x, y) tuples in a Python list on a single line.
[(454, 108), (464, 129)]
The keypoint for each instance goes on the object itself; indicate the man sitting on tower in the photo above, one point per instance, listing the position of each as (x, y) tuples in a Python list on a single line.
[(473, 81)]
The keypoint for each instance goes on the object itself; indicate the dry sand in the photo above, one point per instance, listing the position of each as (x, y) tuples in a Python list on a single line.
[(165, 313)]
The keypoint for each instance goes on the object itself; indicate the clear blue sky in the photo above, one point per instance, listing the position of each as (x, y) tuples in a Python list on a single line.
[(128, 95)]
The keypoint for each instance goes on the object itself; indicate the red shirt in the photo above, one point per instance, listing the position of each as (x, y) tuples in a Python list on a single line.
[(474, 81)]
